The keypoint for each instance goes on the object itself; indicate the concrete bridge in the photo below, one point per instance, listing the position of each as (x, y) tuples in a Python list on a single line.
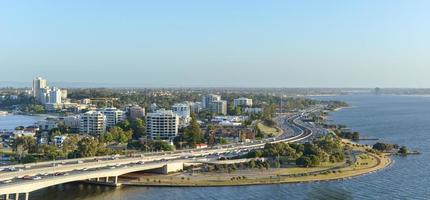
[(106, 176)]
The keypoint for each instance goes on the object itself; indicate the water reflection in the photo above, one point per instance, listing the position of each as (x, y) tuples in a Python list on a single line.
[(328, 193)]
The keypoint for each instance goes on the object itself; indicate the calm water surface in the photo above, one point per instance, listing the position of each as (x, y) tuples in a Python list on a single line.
[(10, 122), (396, 119)]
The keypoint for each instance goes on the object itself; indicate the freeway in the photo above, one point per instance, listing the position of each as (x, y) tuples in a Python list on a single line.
[(58, 172)]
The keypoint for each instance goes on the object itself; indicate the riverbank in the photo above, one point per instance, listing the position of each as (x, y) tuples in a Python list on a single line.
[(340, 108), (365, 163)]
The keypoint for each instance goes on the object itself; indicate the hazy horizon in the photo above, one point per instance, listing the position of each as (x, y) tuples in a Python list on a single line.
[(281, 44)]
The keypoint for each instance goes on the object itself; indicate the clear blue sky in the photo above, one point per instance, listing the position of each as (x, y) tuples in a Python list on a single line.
[(361, 43)]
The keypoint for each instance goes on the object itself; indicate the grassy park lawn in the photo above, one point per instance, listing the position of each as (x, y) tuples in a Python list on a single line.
[(268, 130)]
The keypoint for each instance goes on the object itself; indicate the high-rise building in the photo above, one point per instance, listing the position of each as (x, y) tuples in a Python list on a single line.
[(92, 122), (38, 84), (208, 99), (113, 116), (195, 107), (43, 95), (54, 96), (183, 112), (46, 95), (219, 107), (242, 102), (181, 109), (135, 112), (162, 125)]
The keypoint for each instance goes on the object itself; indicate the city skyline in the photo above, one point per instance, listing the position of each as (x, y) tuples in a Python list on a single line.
[(223, 44)]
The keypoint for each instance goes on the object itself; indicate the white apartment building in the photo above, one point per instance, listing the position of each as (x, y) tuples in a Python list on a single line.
[(43, 95), (183, 111), (55, 96), (162, 125), (195, 107), (92, 122), (219, 106), (242, 102), (208, 99), (113, 116)]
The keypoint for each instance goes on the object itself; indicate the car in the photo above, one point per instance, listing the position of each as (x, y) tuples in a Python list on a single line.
[(10, 169), (26, 177), (113, 167), (7, 181), (84, 169), (36, 178), (60, 174), (140, 162)]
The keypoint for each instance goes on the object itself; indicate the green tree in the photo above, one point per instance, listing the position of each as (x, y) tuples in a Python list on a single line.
[(25, 144), (162, 146), (383, 146), (117, 134), (304, 161), (139, 128), (51, 152), (70, 144), (87, 147), (252, 164), (403, 150), (193, 133), (29, 159)]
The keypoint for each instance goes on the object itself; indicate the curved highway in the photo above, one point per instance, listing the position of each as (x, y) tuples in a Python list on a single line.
[(74, 169)]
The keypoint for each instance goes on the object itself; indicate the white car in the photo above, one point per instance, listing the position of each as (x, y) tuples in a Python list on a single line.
[(36, 178), (7, 181)]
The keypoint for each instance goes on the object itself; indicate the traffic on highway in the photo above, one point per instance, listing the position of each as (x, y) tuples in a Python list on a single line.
[(294, 130)]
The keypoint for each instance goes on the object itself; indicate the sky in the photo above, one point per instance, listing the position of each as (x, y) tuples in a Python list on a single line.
[(222, 43)]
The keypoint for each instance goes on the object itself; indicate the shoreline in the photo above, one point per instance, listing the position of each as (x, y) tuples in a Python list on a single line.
[(341, 108), (344, 173), (213, 179)]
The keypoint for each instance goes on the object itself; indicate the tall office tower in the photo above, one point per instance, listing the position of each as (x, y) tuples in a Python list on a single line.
[(38, 83)]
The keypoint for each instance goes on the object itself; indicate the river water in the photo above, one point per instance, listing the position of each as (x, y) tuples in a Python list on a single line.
[(404, 120), (10, 122)]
